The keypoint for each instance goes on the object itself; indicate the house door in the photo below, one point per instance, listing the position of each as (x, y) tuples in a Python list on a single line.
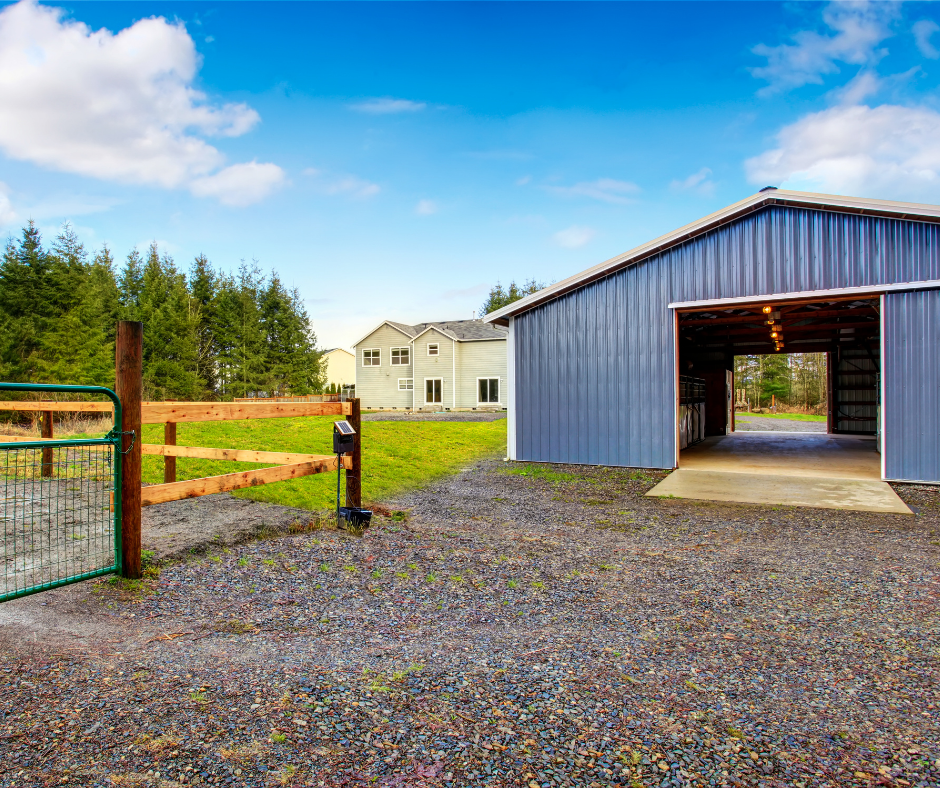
[(433, 390)]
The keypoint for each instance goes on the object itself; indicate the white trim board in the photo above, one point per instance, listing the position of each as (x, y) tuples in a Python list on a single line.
[(511, 390), (867, 290), (383, 323)]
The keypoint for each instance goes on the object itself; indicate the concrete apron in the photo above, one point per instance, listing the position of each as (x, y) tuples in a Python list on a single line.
[(790, 469)]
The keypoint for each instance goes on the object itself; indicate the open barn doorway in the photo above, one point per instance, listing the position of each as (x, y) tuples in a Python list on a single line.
[(746, 370)]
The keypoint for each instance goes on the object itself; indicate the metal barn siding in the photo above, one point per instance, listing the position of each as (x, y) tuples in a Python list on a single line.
[(595, 368), (912, 386)]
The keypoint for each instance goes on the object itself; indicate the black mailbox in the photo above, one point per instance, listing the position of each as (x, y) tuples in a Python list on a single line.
[(344, 437)]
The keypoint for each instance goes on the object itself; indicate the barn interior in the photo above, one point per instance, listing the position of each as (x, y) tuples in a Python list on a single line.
[(838, 468), (848, 331)]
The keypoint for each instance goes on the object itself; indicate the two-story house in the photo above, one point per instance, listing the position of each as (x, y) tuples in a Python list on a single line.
[(446, 365)]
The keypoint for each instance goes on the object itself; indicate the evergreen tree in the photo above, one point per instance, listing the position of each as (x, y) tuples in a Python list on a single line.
[(500, 297), (170, 354), (240, 336), (131, 284), (26, 295), (203, 285)]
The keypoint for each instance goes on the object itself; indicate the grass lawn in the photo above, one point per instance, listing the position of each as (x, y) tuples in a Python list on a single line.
[(396, 455), (787, 416)]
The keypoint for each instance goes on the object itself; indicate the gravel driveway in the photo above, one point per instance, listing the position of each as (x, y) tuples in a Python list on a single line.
[(748, 423), (454, 416), (552, 628)]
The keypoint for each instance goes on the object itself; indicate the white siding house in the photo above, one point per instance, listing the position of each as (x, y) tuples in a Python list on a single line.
[(447, 365), (340, 367)]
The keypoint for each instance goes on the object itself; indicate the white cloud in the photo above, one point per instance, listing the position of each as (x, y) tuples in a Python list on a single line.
[(603, 189), (698, 182), (387, 106), (426, 207), (350, 185), (7, 214), (240, 184), (353, 187), (524, 180), (923, 31), (574, 237), (888, 151), (117, 107), (858, 28)]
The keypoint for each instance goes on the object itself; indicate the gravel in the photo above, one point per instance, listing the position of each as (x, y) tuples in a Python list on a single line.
[(497, 629), (748, 423)]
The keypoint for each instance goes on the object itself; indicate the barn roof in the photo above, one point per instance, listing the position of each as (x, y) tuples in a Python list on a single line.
[(826, 202)]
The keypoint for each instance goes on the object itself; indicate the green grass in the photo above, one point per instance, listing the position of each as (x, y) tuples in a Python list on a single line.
[(396, 455), (787, 416), (541, 472)]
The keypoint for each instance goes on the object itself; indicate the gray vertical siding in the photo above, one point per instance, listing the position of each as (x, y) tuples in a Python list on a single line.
[(912, 385), (595, 368)]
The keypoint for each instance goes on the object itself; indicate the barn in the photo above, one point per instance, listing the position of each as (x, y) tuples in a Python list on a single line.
[(606, 365)]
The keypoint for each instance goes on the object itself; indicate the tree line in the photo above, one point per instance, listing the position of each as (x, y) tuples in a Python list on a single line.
[(207, 334), (797, 380)]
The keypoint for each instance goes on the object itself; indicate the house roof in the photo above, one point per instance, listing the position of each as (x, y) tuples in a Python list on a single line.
[(459, 330), (770, 196), (335, 349)]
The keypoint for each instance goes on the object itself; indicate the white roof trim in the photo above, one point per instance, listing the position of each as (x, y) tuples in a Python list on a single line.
[(902, 210), (868, 290), (339, 350), (439, 331), (383, 323)]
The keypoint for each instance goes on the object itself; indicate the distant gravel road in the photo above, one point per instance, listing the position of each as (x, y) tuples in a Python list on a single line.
[(457, 416), (744, 422)]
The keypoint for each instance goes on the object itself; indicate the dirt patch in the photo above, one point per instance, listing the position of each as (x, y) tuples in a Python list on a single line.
[(195, 525)]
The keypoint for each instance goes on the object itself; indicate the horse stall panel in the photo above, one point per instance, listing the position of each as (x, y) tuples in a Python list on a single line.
[(855, 377)]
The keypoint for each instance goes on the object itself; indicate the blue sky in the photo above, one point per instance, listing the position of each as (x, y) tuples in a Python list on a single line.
[(414, 154)]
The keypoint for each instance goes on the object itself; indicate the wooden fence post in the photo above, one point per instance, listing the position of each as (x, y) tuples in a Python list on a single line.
[(46, 432), (128, 362), (169, 463), (354, 474)]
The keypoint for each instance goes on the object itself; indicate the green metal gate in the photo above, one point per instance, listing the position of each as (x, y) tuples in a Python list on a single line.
[(60, 505)]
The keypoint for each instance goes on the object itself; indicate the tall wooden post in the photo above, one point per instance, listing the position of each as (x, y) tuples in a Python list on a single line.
[(46, 433), (354, 474), (128, 368), (169, 463)]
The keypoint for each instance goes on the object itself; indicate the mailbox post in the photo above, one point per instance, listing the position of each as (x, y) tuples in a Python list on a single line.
[(344, 442)]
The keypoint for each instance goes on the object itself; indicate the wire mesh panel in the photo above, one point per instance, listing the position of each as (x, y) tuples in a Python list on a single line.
[(59, 507), (57, 527)]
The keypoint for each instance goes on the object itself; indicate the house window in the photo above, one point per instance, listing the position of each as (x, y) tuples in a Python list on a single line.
[(406, 384), (434, 349), (433, 390), (488, 390), (371, 358), (401, 356)]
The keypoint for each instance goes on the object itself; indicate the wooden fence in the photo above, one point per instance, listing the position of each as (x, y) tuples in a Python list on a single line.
[(135, 413)]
